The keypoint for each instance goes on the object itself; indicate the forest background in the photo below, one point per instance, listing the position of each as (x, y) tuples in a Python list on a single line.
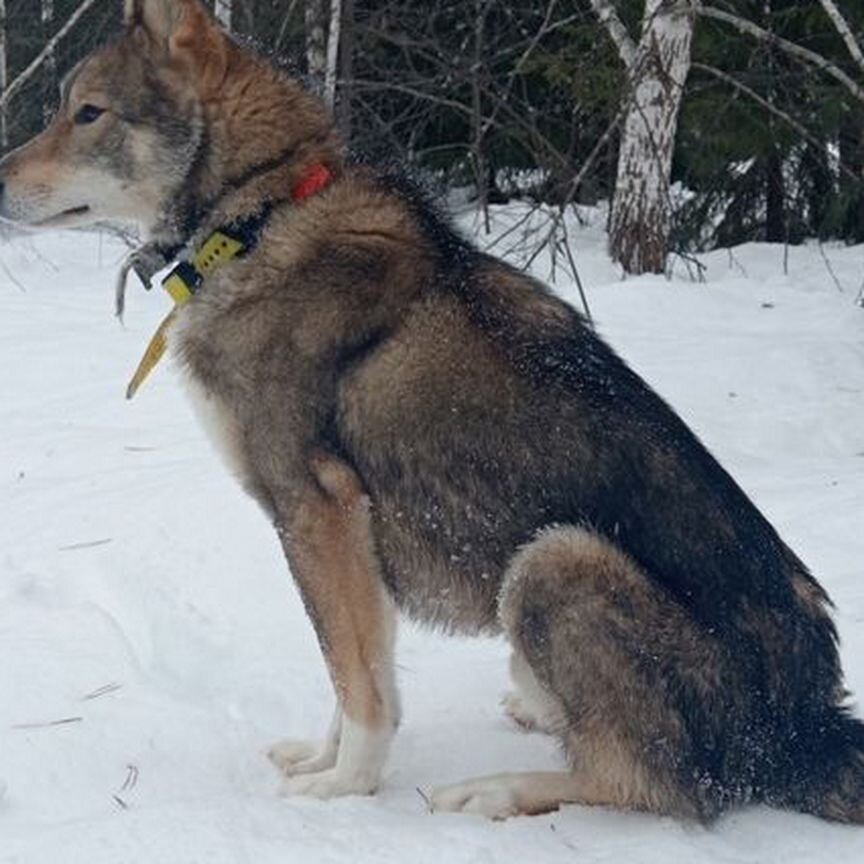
[(704, 126)]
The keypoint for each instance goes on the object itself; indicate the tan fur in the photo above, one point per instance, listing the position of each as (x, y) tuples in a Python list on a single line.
[(606, 597), (330, 548), (430, 429), (531, 794)]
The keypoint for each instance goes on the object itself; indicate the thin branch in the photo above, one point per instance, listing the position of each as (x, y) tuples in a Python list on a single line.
[(46, 52), (576, 182), (545, 29), (768, 106), (830, 268), (844, 30), (287, 21), (606, 12), (805, 54)]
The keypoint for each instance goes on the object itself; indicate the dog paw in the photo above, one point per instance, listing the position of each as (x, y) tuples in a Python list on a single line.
[(519, 712), (329, 784), (301, 757), (479, 797)]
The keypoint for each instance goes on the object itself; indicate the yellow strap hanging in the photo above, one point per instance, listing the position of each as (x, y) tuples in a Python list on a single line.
[(220, 248), (181, 284), (154, 353)]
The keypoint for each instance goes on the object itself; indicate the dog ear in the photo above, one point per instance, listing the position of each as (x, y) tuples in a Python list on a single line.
[(131, 9), (186, 29), (158, 18), (198, 42)]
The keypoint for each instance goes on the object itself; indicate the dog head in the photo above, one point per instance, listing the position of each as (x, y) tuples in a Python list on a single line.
[(130, 125)]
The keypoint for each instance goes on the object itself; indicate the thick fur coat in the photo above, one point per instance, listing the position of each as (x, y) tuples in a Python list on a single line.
[(432, 430)]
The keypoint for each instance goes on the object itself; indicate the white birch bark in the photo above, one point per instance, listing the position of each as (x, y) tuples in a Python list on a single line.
[(50, 59), (345, 108), (334, 37), (224, 11), (641, 212), (607, 13), (316, 48)]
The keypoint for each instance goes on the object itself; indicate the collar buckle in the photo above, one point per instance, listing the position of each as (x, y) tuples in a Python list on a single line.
[(183, 282)]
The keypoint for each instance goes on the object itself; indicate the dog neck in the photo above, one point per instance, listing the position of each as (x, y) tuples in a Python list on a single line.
[(260, 136)]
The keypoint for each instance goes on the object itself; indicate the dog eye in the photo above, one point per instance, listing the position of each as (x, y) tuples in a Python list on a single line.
[(88, 114)]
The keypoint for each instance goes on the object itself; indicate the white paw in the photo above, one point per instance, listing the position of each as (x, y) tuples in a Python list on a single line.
[(302, 757), (330, 784), (518, 710), (480, 797)]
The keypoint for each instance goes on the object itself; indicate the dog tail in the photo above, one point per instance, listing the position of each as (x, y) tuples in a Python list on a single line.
[(830, 770)]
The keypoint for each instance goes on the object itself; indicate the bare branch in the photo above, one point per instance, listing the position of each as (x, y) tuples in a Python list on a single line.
[(287, 20), (805, 54), (773, 109), (46, 52), (844, 30), (576, 182), (545, 29), (606, 12)]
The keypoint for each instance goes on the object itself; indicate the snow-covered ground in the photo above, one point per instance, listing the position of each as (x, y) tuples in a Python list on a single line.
[(152, 645)]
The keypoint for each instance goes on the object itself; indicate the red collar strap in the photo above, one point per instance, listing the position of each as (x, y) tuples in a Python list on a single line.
[(314, 179)]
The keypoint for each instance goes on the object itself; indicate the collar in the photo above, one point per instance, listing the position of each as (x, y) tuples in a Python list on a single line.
[(220, 248), (223, 246)]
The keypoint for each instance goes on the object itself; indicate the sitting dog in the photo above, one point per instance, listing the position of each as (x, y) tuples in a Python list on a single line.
[(433, 432)]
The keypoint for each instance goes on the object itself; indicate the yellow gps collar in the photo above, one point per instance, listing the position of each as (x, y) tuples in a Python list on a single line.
[(182, 284), (220, 248)]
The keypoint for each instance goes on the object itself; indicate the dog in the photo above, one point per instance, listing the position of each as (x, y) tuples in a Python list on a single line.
[(433, 432)]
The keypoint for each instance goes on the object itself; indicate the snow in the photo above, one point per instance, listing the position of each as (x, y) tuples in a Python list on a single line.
[(144, 600)]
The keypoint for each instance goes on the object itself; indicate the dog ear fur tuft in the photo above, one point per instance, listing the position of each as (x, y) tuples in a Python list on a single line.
[(186, 30)]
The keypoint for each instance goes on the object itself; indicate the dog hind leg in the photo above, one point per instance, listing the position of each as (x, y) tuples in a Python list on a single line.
[(529, 704), (530, 794), (608, 651)]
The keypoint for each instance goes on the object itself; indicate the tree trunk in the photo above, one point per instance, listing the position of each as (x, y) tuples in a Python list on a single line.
[(334, 37), (345, 108), (4, 80), (481, 180), (641, 213), (316, 47), (851, 140), (51, 59), (224, 10), (775, 199)]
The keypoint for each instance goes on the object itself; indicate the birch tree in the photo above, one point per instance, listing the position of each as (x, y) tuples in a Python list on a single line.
[(334, 34), (657, 68), (316, 48), (4, 79), (51, 58), (345, 108), (224, 11)]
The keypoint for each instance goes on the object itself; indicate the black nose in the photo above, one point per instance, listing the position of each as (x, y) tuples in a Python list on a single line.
[(2, 189)]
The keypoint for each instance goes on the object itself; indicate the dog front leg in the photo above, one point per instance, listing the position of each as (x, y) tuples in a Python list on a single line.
[(328, 541)]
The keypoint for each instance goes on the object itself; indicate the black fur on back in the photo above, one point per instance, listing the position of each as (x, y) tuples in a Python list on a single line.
[(631, 470)]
